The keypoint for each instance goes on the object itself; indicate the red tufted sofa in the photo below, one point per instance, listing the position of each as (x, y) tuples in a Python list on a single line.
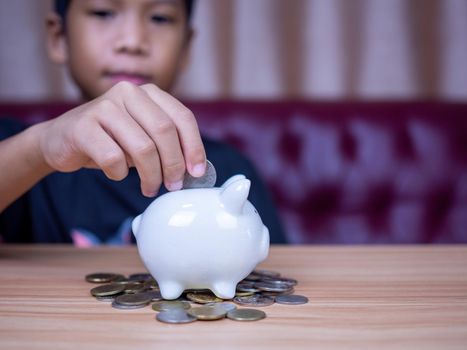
[(359, 172)]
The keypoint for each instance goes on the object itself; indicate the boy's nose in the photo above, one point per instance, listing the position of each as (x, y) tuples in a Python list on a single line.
[(132, 38)]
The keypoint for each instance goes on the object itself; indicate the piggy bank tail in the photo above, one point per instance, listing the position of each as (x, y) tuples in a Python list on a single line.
[(135, 225)]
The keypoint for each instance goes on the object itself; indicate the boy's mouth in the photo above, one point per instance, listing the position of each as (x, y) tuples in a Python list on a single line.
[(135, 78)]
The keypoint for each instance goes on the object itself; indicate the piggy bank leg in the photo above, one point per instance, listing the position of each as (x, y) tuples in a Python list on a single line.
[(224, 290), (170, 289)]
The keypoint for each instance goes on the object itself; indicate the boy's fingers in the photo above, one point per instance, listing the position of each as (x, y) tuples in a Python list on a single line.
[(187, 127), (163, 132), (91, 164), (104, 152), (139, 149)]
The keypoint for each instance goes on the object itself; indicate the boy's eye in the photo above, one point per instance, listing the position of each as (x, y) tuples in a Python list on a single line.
[(161, 19), (102, 13)]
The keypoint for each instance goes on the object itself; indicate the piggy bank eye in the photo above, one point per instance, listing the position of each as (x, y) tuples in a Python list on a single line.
[(256, 212)]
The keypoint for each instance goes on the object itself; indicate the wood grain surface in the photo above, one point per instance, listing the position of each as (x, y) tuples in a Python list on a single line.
[(361, 297)]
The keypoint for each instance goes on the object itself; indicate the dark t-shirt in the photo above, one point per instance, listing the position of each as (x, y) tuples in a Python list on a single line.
[(86, 208)]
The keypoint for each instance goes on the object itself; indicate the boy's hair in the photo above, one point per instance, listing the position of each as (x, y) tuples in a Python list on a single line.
[(61, 7)]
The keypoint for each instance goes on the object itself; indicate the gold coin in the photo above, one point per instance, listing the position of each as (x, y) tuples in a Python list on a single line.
[(170, 305), (246, 315), (203, 298), (107, 289), (152, 284), (119, 279), (102, 277), (123, 281), (140, 277), (243, 294), (135, 287), (207, 313)]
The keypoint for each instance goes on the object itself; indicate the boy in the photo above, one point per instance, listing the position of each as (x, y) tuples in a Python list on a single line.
[(57, 184)]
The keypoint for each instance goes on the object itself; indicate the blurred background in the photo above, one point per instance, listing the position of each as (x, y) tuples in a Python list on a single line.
[(279, 49)]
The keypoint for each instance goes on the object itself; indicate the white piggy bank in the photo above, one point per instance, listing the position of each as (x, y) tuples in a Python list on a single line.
[(202, 238)]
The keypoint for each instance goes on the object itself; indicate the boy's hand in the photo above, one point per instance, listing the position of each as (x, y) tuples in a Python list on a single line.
[(129, 125)]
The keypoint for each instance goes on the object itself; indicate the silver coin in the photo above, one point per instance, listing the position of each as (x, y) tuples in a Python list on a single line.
[(166, 305), (280, 280), (126, 307), (175, 316), (271, 287), (205, 181), (254, 300), (224, 305), (246, 287), (106, 298), (155, 295), (292, 299)]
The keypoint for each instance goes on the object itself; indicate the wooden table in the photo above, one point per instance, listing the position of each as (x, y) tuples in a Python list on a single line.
[(372, 297)]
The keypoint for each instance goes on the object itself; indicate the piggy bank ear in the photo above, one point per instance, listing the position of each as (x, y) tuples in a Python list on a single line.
[(234, 195), (232, 179)]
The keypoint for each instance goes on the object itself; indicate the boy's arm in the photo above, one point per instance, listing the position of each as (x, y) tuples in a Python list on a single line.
[(22, 164)]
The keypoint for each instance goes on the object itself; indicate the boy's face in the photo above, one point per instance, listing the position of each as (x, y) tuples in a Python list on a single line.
[(107, 41)]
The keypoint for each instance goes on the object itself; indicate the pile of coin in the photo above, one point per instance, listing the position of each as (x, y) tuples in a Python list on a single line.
[(261, 288)]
